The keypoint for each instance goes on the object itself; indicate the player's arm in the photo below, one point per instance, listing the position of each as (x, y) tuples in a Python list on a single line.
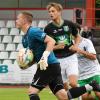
[(59, 46), (43, 37), (87, 54), (89, 50), (50, 42)]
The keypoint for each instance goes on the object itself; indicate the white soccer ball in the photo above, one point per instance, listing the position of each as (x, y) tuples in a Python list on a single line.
[(25, 57)]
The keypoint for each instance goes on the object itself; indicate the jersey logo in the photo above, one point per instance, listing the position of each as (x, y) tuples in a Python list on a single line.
[(62, 38), (60, 29), (36, 81), (43, 35), (66, 28), (55, 31)]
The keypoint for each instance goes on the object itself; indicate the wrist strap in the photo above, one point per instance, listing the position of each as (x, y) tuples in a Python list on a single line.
[(46, 53)]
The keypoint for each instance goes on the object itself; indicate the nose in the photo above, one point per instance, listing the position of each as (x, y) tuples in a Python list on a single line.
[(50, 13), (16, 21)]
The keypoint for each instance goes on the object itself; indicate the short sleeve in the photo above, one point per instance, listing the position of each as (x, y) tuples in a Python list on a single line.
[(74, 29), (38, 34), (47, 29), (90, 47)]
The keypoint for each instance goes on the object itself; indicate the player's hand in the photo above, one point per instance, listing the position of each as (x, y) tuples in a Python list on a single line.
[(43, 63), (59, 46), (20, 57), (74, 48)]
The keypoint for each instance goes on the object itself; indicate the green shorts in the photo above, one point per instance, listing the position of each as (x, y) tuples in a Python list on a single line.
[(88, 80)]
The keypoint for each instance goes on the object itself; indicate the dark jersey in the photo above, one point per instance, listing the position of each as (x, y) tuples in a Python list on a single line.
[(62, 34), (34, 39)]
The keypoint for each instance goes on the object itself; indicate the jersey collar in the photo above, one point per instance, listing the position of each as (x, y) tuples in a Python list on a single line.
[(59, 25)]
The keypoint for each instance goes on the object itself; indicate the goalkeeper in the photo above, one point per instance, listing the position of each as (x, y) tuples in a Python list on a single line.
[(48, 71)]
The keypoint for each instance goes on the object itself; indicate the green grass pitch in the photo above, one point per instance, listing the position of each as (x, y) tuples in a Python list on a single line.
[(21, 94)]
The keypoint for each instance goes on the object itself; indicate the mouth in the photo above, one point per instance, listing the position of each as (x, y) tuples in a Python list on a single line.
[(51, 16)]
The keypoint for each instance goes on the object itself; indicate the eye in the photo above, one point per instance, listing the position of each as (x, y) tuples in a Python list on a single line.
[(49, 11), (53, 10)]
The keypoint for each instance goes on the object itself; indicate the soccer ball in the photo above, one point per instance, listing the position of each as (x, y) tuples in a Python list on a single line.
[(25, 58)]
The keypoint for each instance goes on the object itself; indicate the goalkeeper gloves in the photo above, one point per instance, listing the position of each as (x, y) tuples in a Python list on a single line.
[(43, 63)]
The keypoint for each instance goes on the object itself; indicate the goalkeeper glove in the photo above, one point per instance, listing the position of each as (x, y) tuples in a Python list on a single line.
[(43, 63)]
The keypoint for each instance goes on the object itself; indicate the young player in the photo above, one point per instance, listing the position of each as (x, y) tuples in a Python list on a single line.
[(89, 66), (62, 31), (48, 72)]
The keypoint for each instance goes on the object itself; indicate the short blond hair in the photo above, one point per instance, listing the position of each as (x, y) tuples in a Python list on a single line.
[(28, 16), (57, 6)]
